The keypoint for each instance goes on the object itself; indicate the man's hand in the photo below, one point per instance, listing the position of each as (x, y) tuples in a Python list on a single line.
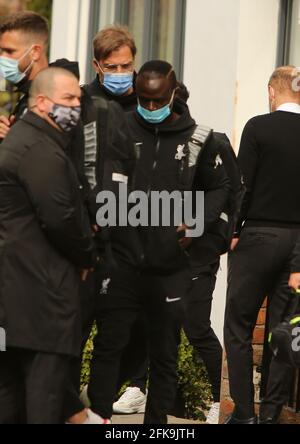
[(5, 125), (84, 274), (294, 281), (234, 243), (184, 242), (95, 230)]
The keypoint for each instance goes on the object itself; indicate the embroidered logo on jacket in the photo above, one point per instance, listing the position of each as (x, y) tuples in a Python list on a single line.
[(180, 152), (105, 285), (219, 161)]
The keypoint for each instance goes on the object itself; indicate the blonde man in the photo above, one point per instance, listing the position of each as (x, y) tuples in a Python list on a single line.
[(260, 262)]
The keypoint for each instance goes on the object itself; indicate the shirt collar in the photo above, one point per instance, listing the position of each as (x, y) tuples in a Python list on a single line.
[(289, 108), (62, 139)]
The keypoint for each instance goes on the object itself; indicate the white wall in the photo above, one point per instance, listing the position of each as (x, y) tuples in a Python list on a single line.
[(210, 60), (69, 36), (230, 52), (257, 51)]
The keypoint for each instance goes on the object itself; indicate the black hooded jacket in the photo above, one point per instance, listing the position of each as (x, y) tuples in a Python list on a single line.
[(157, 169)]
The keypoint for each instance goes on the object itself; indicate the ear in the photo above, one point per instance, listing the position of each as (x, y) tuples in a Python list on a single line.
[(96, 66), (98, 70), (271, 93), (36, 52), (41, 104)]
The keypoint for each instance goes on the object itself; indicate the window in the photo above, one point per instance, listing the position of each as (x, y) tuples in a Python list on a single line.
[(157, 26), (294, 50), (289, 35)]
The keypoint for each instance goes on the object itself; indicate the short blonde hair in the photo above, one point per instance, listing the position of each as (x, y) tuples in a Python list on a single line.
[(286, 79), (111, 39)]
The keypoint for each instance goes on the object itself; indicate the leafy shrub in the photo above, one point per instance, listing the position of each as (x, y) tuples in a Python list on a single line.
[(43, 7)]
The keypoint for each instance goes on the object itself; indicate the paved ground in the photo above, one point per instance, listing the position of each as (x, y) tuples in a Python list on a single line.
[(138, 419)]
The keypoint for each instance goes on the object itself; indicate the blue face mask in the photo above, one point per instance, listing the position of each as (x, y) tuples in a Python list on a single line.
[(118, 84), (157, 116), (9, 69)]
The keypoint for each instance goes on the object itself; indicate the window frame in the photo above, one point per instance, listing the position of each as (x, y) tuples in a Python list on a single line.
[(120, 11), (285, 32)]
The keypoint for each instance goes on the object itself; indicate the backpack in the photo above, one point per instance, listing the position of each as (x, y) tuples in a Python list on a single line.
[(284, 340), (95, 119), (237, 185), (227, 157)]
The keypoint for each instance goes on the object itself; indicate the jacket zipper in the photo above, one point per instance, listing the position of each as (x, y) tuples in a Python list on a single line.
[(157, 148)]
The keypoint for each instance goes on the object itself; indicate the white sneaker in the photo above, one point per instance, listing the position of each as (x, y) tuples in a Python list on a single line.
[(132, 401), (214, 414), (93, 419), (84, 397)]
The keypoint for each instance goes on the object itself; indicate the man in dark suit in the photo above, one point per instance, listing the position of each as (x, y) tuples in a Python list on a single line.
[(45, 245)]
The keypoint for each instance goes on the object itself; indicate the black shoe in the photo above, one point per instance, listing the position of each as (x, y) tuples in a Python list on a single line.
[(233, 420), (270, 415), (268, 421)]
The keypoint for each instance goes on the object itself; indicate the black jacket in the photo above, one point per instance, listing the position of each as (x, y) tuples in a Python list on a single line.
[(44, 240), (128, 103), (107, 146), (157, 169), (76, 141)]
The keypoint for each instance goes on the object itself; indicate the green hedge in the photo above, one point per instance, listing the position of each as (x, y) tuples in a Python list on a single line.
[(43, 7), (193, 382), (194, 390)]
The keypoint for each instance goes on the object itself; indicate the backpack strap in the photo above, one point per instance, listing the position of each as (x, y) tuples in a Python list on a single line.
[(95, 140), (100, 103), (201, 134), (190, 154), (197, 142)]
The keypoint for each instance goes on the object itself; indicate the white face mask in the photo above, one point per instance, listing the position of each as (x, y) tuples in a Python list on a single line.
[(9, 68)]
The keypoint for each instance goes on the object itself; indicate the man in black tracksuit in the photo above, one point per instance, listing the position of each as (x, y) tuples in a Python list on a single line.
[(114, 54), (114, 60), (45, 241), (107, 142), (104, 100), (152, 272), (260, 264), (104, 106)]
